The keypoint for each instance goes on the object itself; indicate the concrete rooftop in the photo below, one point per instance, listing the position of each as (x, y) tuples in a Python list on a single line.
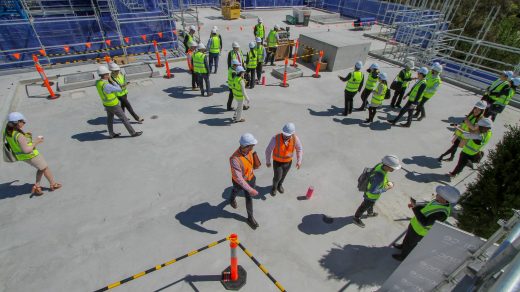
[(132, 203)]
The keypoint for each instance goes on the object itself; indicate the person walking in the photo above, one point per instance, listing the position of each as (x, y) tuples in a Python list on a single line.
[(403, 79), (201, 68), (252, 62), (23, 146), (468, 125), (433, 81), (353, 84), (235, 54), (272, 44), (472, 150), (261, 56), (243, 176), (189, 37), (240, 95), (414, 96), (378, 183), (120, 79), (259, 29), (377, 97), (282, 147), (500, 102), (189, 57), (425, 215), (230, 78), (107, 92), (373, 75), (215, 48)]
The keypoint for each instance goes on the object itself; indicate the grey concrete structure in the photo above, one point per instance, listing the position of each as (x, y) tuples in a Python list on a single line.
[(138, 71), (76, 81), (292, 72)]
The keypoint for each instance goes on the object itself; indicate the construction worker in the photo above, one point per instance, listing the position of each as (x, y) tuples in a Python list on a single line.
[(261, 56), (189, 57), (272, 44), (438, 209), (472, 150), (230, 80), (282, 147), (433, 81), (235, 54), (23, 147), (215, 48), (501, 100), (373, 75), (499, 88), (468, 125), (243, 176), (403, 79), (414, 96), (377, 97), (201, 68), (378, 183), (189, 37), (252, 62), (240, 94), (259, 29), (120, 79), (107, 92), (353, 84)]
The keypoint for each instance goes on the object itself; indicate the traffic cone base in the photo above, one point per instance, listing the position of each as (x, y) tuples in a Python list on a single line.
[(234, 285)]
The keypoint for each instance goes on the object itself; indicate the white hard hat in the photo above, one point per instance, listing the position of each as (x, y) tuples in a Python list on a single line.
[(391, 161), (240, 69), (449, 193), (409, 64), (508, 74), (374, 66), (260, 20), (192, 44), (252, 45), (214, 30), (235, 62), (201, 46), (113, 66), (437, 67), (258, 40), (192, 27), (485, 122), (516, 81), (359, 64), (383, 76), (235, 45), (423, 71), (288, 129), (481, 104), (276, 26), (15, 117), (215, 27), (247, 139), (102, 70)]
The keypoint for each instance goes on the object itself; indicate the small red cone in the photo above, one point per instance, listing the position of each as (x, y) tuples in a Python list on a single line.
[(42, 52), (143, 36), (108, 42), (160, 34), (88, 45), (17, 56), (66, 48), (127, 40)]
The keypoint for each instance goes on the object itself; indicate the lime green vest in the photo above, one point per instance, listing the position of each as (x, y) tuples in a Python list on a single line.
[(251, 59), (415, 89), (108, 99), (17, 150), (496, 87), (431, 81), (121, 81), (377, 99), (378, 168), (352, 85), (472, 148), (271, 39), (234, 55), (230, 77), (237, 89), (215, 45), (260, 30), (504, 100), (198, 63), (407, 75), (371, 82), (430, 208), (259, 53), (465, 127)]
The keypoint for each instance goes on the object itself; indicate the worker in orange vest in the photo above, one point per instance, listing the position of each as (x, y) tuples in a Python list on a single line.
[(243, 177), (282, 147)]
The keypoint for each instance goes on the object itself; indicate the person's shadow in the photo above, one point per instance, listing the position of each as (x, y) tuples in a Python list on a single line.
[(315, 224), (426, 177), (196, 215), (262, 192), (423, 161), (376, 126), (213, 110), (181, 92), (332, 111), (8, 190), (348, 121), (217, 122), (90, 136)]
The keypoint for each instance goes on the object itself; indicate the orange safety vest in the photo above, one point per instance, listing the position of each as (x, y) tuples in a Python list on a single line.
[(188, 58), (246, 164), (281, 152)]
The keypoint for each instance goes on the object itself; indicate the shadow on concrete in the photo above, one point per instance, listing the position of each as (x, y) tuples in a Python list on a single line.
[(179, 70), (427, 177), (262, 193), (424, 161), (332, 111), (217, 122), (191, 279), (222, 88), (195, 216), (348, 121), (91, 136), (377, 126), (182, 92), (7, 190), (213, 110), (454, 120), (102, 121), (314, 224), (362, 266)]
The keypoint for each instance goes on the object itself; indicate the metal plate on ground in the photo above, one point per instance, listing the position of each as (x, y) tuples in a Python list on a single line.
[(79, 77), (248, 15), (76, 81), (138, 71), (330, 19), (291, 72)]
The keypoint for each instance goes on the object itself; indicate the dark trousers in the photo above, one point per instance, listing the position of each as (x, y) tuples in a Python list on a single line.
[(463, 161), (493, 111), (125, 104), (411, 239), (194, 80), (349, 102), (398, 97), (251, 76), (408, 107), (205, 77), (259, 72), (452, 150), (420, 108), (280, 170), (366, 205), (364, 98), (117, 111), (213, 59), (270, 55), (371, 113), (230, 99), (249, 201)]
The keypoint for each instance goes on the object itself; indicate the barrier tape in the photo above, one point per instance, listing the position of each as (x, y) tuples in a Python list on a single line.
[(158, 267), (262, 268), (98, 59), (97, 51)]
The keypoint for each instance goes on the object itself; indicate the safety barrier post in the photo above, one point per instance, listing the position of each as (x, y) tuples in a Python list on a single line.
[(107, 59), (44, 78), (157, 55), (317, 73), (263, 80), (234, 277), (168, 73), (284, 83), (295, 55)]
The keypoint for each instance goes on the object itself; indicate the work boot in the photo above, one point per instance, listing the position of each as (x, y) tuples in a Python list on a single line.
[(407, 125), (252, 222), (450, 159), (397, 246), (373, 214), (440, 158), (358, 222), (280, 189), (115, 135), (398, 257), (233, 204), (273, 192)]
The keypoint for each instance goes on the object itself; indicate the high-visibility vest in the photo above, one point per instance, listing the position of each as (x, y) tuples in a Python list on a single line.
[(120, 79), (377, 98), (215, 44), (432, 84), (237, 88), (230, 77), (198, 63), (260, 30), (246, 164), (189, 56), (259, 53), (407, 75), (431, 208), (415, 90), (282, 152), (472, 119), (377, 169), (271, 39), (189, 39), (108, 99), (504, 100), (371, 82), (17, 149), (496, 88), (251, 59), (352, 85), (235, 55), (471, 148)]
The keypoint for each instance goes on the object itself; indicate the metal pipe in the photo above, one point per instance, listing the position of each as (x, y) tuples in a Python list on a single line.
[(510, 279)]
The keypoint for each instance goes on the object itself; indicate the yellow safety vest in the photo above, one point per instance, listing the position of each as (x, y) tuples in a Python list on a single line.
[(108, 99), (260, 53), (471, 148), (260, 30), (432, 84), (271, 39), (429, 209), (352, 85), (415, 89), (120, 79), (251, 59), (17, 149), (215, 45), (377, 98), (237, 88), (198, 63), (377, 168)]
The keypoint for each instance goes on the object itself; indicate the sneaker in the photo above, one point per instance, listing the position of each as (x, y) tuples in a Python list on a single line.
[(252, 223), (358, 222), (233, 204), (280, 189), (373, 214), (136, 134), (398, 257)]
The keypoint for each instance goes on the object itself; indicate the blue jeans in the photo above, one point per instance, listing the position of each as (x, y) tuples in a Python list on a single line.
[(213, 57)]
